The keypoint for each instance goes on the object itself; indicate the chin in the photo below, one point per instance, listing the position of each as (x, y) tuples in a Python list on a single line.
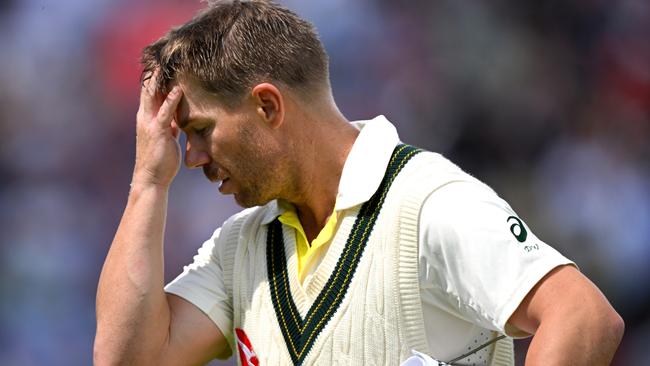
[(247, 201)]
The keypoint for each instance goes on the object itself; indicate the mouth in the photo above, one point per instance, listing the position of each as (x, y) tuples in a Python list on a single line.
[(223, 185), (216, 174)]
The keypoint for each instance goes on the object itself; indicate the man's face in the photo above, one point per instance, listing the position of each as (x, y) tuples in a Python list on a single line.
[(231, 145)]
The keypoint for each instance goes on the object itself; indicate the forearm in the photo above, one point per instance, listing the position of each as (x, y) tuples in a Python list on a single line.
[(576, 338), (572, 321), (133, 316)]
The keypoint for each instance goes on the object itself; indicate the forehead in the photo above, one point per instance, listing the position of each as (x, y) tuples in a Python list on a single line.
[(195, 103), (194, 96)]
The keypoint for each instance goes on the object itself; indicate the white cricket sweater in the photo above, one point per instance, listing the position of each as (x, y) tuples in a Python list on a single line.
[(374, 318)]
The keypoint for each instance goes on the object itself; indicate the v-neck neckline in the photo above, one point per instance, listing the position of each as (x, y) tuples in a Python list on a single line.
[(305, 293), (301, 326)]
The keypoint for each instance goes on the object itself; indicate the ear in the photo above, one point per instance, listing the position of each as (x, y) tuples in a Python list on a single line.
[(269, 104)]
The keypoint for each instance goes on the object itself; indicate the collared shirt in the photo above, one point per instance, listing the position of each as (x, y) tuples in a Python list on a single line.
[(308, 252), (473, 270), (379, 139)]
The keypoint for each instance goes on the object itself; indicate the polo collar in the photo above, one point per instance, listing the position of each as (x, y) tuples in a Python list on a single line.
[(274, 209), (367, 161), (364, 167)]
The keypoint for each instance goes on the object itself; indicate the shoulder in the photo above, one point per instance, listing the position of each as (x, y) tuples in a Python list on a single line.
[(248, 223), (433, 170), (431, 180), (245, 217), (245, 214)]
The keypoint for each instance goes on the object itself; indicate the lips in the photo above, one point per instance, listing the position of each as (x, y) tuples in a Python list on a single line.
[(218, 175), (223, 186)]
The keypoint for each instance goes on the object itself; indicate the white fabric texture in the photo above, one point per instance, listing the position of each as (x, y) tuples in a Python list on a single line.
[(473, 272)]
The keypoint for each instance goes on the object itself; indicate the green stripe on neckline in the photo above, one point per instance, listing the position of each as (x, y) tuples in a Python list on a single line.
[(300, 334)]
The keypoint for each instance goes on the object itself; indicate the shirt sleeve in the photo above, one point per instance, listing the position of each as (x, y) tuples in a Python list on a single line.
[(202, 284), (478, 259)]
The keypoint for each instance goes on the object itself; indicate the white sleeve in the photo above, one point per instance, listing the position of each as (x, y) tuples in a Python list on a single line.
[(478, 259), (202, 284)]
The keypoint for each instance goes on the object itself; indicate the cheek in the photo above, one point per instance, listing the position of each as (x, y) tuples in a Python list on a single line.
[(221, 146)]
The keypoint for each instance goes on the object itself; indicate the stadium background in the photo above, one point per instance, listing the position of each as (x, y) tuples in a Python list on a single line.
[(548, 102)]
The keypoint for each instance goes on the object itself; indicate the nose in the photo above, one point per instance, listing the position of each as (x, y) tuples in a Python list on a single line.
[(195, 157)]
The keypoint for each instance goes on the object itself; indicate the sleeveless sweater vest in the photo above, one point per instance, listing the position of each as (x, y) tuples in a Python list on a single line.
[(362, 305)]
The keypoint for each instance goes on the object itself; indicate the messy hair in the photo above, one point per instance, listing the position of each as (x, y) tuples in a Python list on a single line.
[(232, 45)]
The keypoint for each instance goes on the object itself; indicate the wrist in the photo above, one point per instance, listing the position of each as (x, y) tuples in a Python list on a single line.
[(147, 179), (138, 186)]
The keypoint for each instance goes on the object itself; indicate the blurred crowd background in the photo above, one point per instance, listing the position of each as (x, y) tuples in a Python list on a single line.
[(546, 101)]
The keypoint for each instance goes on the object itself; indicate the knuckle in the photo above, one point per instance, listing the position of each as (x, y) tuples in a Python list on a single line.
[(164, 109), (140, 116), (163, 118)]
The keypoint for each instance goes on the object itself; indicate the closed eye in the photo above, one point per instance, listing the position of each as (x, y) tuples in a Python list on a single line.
[(203, 131)]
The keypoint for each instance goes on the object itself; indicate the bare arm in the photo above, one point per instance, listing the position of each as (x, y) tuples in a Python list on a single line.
[(137, 323), (572, 321)]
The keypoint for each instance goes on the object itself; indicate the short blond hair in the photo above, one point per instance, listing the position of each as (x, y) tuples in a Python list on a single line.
[(232, 45)]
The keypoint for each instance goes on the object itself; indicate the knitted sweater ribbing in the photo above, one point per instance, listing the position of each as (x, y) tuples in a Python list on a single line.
[(379, 320)]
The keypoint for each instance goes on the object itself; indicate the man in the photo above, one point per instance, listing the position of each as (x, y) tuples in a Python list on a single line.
[(355, 248)]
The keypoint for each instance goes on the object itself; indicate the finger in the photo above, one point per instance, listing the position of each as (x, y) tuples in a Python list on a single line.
[(175, 129), (168, 108), (148, 92)]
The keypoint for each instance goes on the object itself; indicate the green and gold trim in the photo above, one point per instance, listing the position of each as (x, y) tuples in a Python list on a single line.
[(300, 334)]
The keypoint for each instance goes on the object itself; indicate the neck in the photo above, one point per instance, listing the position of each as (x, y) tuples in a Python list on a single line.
[(320, 166)]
